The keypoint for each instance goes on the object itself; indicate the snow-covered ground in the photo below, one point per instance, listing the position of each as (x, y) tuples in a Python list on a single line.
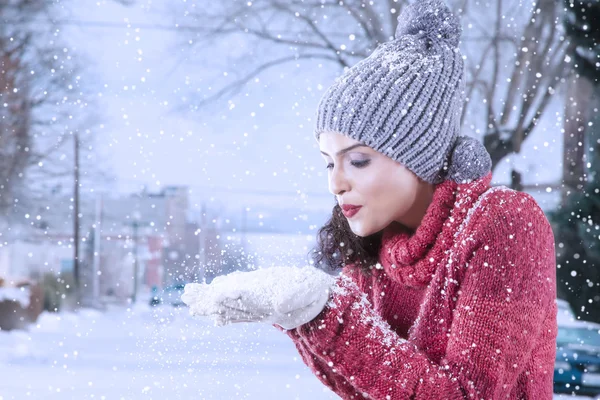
[(152, 353), (146, 353)]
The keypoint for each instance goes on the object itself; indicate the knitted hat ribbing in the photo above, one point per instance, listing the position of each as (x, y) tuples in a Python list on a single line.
[(405, 100)]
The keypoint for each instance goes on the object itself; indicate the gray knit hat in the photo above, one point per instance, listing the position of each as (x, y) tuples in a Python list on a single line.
[(405, 100)]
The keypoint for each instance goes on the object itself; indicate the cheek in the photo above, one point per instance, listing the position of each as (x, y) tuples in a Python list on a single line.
[(378, 199), (382, 189), (389, 195), (375, 185)]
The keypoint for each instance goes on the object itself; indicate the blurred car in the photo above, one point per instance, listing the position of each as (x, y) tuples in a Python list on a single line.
[(565, 312), (577, 367), (169, 295)]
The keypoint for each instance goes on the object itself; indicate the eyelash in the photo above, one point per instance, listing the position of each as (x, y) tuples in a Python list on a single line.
[(357, 164)]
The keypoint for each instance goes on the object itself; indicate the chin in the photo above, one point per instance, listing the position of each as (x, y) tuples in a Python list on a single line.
[(361, 231)]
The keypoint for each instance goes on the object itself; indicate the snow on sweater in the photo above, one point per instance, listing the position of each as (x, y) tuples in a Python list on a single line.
[(463, 308)]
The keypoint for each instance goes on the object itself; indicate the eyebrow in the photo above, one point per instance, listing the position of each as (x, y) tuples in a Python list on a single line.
[(347, 149)]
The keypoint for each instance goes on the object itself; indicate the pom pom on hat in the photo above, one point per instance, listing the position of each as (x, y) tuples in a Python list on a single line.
[(469, 160), (431, 18)]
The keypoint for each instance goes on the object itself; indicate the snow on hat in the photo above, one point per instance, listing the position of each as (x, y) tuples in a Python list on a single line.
[(405, 100)]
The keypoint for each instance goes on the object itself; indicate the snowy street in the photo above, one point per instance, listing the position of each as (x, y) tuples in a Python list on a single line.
[(152, 353), (147, 353)]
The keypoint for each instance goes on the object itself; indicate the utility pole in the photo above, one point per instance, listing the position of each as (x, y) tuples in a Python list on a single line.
[(76, 221), (244, 229), (135, 225), (96, 259), (202, 239)]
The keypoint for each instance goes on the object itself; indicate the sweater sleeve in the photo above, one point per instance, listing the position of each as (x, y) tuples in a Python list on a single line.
[(335, 382), (507, 292)]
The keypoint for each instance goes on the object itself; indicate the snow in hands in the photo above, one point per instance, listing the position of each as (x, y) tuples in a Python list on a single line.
[(287, 296)]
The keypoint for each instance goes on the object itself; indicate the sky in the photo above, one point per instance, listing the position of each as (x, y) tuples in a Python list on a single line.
[(263, 144)]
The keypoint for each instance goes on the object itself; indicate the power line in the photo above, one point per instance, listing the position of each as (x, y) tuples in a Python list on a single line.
[(118, 25), (130, 25)]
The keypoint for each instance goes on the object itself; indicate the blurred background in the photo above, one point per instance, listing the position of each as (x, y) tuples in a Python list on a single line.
[(145, 144)]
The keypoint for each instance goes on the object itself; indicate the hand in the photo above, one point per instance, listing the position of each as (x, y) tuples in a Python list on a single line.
[(287, 296), (202, 298), (302, 296), (287, 315), (230, 312)]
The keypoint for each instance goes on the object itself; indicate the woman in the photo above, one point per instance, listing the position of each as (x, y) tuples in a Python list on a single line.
[(447, 285)]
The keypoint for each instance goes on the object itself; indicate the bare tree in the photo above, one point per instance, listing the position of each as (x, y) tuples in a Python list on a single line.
[(536, 69), (515, 54), (582, 87), (40, 97), (577, 115)]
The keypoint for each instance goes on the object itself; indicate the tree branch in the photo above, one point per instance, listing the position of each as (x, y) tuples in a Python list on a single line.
[(236, 86), (316, 30)]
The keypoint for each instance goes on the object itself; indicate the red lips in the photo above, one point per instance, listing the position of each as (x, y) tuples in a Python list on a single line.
[(349, 210)]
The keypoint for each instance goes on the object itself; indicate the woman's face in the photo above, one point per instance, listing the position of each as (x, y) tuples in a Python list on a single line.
[(386, 191)]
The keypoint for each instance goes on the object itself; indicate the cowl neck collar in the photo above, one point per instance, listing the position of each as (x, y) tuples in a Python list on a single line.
[(412, 256)]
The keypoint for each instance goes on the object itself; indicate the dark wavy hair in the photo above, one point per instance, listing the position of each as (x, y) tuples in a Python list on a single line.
[(337, 246)]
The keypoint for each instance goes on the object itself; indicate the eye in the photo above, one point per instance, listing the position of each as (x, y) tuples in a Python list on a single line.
[(357, 164), (360, 164)]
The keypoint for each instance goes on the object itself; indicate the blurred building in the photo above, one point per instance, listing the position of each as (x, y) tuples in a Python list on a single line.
[(150, 227)]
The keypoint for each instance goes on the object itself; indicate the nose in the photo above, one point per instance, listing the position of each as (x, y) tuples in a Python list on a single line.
[(338, 183)]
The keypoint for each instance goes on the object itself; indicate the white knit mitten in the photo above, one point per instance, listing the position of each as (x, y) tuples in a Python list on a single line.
[(286, 296)]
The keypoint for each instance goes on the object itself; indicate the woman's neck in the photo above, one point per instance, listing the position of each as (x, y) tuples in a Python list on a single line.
[(413, 217)]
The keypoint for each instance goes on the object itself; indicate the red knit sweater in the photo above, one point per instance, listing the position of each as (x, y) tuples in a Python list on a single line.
[(463, 308)]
